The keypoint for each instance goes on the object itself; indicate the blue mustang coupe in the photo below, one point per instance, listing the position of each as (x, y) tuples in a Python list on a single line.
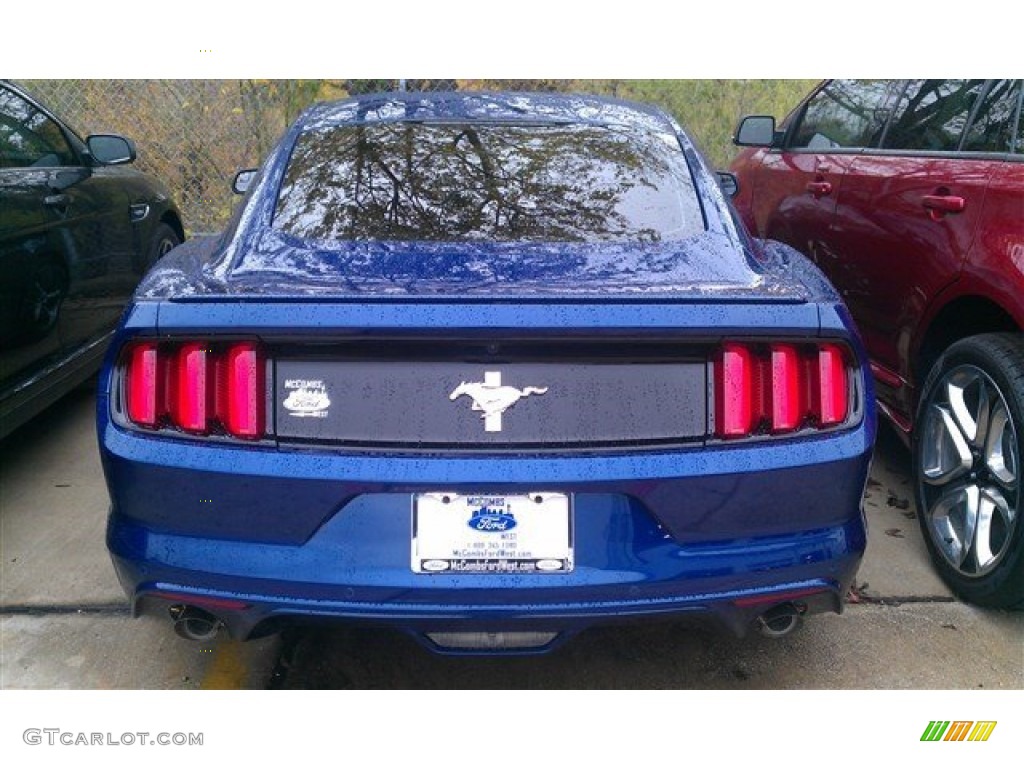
[(488, 369)]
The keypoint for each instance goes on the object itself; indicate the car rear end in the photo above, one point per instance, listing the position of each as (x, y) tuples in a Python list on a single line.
[(657, 509), (490, 465)]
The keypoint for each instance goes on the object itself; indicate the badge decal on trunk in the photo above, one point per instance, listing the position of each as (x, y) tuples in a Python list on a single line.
[(306, 398), (491, 397)]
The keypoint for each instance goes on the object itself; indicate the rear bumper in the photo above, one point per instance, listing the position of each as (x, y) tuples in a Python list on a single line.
[(563, 612), (259, 537)]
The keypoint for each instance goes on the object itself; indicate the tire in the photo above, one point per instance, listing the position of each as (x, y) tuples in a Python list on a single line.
[(164, 239), (967, 451)]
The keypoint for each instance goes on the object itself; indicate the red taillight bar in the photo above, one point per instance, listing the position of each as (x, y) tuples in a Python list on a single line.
[(190, 396), (788, 406), (196, 387), (143, 390), (778, 388), (833, 390), (245, 392), (734, 391)]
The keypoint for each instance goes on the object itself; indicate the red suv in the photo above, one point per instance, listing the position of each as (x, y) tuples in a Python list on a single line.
[(909, 195)]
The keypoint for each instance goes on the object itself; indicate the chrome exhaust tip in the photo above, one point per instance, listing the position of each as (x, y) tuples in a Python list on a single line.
[(194, 623), (779, 621)]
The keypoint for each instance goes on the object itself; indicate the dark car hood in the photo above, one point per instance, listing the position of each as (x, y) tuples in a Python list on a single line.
[(708, 267)]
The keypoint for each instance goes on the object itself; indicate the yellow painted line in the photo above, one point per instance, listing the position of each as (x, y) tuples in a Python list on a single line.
[(227, 670)]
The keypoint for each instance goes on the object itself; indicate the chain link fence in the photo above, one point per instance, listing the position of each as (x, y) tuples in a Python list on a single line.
[(194, 134)]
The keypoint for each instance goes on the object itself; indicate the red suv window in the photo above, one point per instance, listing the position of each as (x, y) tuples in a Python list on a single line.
[(992, 129), (931, 115), (843, 114)]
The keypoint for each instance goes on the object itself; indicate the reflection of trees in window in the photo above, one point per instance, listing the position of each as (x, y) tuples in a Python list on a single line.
[(28, 137), (932, 114), (845, 113), (992, 127), (1018, 142), (449, 181)]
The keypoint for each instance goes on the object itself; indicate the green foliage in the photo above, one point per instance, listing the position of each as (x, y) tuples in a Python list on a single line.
[(707, 109), (710, 109)]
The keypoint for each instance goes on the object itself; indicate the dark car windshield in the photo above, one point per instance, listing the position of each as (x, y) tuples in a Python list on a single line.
[(497, 182)]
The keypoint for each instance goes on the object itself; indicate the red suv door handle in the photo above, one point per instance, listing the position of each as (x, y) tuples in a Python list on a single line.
[(940, 204), (819, 188)]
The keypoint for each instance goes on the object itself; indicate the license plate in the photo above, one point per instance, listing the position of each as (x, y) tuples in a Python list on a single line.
[(491, 533)]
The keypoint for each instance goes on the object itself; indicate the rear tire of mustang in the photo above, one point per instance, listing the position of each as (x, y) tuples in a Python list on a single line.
[(967, 452)]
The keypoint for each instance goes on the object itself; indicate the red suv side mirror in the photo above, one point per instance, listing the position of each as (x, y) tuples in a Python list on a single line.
[(755, 131)]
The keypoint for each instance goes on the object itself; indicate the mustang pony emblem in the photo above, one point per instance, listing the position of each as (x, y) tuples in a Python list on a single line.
[(492, 398)]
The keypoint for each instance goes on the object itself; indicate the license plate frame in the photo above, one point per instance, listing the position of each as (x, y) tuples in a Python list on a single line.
[(492, 533)]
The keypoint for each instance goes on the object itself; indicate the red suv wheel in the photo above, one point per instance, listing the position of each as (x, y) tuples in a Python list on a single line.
[(967, 455)]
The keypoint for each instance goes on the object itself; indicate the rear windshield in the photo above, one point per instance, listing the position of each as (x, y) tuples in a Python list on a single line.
[(495, 182)]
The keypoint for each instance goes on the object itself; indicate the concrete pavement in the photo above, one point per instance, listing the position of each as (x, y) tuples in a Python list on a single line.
[(64, 620)]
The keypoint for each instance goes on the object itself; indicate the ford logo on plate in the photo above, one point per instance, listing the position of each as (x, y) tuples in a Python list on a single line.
[(489, 521)]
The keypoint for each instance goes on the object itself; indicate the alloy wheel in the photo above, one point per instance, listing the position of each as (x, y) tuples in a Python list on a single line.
[(164, 247), (969, 471)]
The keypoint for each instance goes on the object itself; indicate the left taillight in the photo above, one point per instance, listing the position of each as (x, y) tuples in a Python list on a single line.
[(244, 395), (143, 390), (195, 387)]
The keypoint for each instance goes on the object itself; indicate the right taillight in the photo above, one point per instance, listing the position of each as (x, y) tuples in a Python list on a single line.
[(832, 386), (737, 391), (779, 388), (196, 387)]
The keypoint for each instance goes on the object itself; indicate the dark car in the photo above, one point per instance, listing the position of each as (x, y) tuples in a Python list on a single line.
[(488, 369), (78, 230), (909, 194)]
